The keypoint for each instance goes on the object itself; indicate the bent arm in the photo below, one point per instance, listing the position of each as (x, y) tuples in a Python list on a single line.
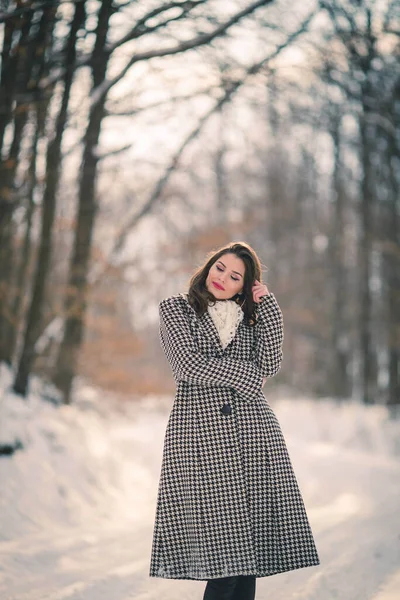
[(269, 336), (191, 366)]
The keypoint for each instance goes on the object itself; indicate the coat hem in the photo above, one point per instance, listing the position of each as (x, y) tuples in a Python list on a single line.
[(260, 574)]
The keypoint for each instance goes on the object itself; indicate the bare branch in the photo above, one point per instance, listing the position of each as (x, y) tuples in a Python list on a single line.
[(141, 28), (196, 42), (114, 152), (392, 31), (230, 91), (172, 99)]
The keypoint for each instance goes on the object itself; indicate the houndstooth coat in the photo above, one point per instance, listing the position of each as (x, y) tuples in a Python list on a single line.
[(228, 500)]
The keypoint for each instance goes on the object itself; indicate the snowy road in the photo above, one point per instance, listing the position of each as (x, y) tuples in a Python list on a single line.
[(347, 467)]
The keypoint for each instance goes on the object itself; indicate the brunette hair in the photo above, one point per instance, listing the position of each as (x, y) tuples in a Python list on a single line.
[(199, 296)]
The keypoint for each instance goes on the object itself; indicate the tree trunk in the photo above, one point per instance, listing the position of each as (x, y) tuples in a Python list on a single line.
[(339, 380), (76, 296), (368, 371), (19, 88), (7, 251), (13, 68), (392, 270), (368, 354), (20, 280), (53, 160), (13, 59), (222, 189)]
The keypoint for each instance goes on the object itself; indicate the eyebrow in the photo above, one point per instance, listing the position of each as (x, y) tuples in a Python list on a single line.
[(237, 272)]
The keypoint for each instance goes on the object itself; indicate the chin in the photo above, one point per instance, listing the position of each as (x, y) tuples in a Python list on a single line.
[(216, 292)]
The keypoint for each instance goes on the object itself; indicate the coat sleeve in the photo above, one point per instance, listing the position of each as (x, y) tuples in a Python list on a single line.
[(191, 366), (269, 336)]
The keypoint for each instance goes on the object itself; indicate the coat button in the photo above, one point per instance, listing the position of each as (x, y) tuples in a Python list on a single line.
[(226, 409)]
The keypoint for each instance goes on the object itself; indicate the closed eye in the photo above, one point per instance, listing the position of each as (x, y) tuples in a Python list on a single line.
[(234, 278)]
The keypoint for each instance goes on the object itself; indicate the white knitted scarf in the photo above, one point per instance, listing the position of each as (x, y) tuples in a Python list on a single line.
[(226, 315)]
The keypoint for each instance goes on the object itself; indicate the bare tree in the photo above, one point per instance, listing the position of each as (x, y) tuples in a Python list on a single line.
[(53, 161), (76, 298), (358, 29)]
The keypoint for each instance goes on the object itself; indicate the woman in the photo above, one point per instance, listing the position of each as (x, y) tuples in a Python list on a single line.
[(229, 508)]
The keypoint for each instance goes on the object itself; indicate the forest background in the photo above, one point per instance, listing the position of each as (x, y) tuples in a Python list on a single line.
[(137, 136)]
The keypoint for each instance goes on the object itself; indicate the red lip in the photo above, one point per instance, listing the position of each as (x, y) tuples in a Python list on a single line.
[(219, 287)]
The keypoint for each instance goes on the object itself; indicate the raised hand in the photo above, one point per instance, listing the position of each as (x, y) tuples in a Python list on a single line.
[(259, 290)]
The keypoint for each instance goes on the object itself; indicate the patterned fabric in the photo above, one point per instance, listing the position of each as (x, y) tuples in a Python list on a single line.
[(228, 500), (226, 315)]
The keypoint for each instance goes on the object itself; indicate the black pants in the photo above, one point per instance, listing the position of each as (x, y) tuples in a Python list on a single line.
[(242, 587)]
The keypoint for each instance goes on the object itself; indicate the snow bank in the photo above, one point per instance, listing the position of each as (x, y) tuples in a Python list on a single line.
[(348, 425), (97, 460), (79, 463)]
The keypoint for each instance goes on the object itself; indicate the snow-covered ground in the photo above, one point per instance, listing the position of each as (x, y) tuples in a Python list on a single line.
[(77, 502)]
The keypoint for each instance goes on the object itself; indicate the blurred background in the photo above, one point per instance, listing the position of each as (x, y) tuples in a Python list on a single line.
[(138, 136)]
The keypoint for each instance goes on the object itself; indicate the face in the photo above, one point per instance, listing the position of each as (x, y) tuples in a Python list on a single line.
[(226, 277)]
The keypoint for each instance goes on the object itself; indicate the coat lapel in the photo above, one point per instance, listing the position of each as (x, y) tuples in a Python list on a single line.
[(208, 328)]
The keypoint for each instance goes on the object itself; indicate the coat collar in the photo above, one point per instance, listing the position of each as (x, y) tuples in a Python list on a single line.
[(208, 327)]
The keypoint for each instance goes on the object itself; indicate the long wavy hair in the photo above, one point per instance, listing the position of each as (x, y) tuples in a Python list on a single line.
[(198, 295)]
